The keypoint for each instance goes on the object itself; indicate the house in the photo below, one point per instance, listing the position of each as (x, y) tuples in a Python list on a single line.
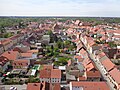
[(11, 55), (21, 49), (92, 72), (49, 67), (18, 64), (14, 39), (50, 76), (90, 43), (7, 44), (115, 74), (83, 53), (45, 39), (77, 22), (56, 28), (88, 85), (43, 86), (4, 62), (35, 86), (108, 64), (1, 48)]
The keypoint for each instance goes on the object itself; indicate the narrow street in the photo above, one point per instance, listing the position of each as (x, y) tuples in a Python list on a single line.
[(99, 68)]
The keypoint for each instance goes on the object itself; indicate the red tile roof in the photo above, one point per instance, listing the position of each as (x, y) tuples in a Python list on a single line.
[(91, 85), (26, 55), (82, 78), (86, 61), (3, 60), (45, 73), (108, 64), (5, 42), (93, 74), (47, 67), (21, 63), (55, 86), (11, 55), (54, 73), (33, 86), (115, 73)]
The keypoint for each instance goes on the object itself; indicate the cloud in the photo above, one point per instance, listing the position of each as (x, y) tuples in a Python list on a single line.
[(60, 7)]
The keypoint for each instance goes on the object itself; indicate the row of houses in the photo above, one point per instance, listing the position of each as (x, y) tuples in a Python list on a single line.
[(8, 43)]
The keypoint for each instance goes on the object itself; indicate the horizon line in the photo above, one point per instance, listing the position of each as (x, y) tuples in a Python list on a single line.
[(62, 16)]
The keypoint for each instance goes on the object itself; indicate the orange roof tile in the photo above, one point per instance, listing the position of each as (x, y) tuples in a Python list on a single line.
[(115, 73), (107, 64), (47, 67), (11, 55), (26, 54), (89, 67), (33, 86), (93, 74), (91, 85), (45, 73), (55, 73)]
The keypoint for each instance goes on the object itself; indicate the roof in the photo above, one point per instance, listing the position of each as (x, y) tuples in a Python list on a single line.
[(3, 60), (26, 55), (5, 42), (33, 86), (32, 51), (82, 78), (55, 86), (1, 45), (54, 73), (47, 67), (89, 67), (86, 61), (11, 55), (78, 57), (45, 73), (107, 64), (115, 73), (91, 85), (21, 61), (93, 74)]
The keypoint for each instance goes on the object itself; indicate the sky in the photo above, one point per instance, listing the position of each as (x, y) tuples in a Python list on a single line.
[(92, 8)]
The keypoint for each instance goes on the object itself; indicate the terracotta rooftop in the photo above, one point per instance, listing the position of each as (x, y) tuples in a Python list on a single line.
[(47, 67), (93, 74), (11, 55), (55, 86), (3, 60), (108, 64), (5, 42), (34, 86), (91, 85), (26, 55), (115, 73), (54, 73)]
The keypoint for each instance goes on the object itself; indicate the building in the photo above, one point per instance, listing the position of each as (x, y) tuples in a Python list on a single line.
[(18, 64), (4, 62), (7, 44), (11, 55), (88, 85), (50, 76), (1, 49), (43, 86)]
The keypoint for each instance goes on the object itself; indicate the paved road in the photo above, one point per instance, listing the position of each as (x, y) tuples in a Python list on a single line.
[(19, 87), (99, 68)]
